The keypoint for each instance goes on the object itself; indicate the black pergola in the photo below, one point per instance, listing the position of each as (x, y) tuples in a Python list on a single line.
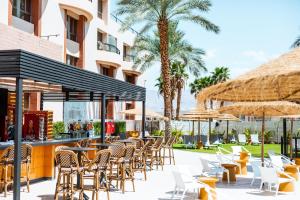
[(38, 73)]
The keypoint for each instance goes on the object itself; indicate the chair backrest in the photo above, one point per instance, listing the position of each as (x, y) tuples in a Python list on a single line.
[(205, 165), (26, 152), (276, 161), (254, 138), (8, 153), (236, 150), (66, 159), (139, 143), (256, 167), (145, 147), (117, 149), (85, 143), (101, 159), (129, 152), (158, 143), (242, 138), (269, 175), (178, 180), (61, 147)]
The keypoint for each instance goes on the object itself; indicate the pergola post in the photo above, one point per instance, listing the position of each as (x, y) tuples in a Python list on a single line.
[(103, 111), (284, 137), (227, 130), (17, 139), (143, 118)]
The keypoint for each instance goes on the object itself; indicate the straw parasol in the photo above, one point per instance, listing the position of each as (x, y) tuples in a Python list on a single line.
[(148, 113), (276, 80), (200, 114), (262, 109)]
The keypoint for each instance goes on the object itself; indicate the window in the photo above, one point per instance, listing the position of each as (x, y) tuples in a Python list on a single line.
[(71, 60), (72, 28), (100, 8), (107, 71), (100, 36), (112, 40), (130, 78), (25, 10)]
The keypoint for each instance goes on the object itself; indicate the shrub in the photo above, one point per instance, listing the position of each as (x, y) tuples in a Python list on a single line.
[(58, 127), (97, 128), (120, 127), (157, 133), (247, 133), (178, 133)]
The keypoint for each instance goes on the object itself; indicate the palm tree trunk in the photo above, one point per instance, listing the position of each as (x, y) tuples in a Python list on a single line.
[(165, 70), (179, 91), (172, 99)]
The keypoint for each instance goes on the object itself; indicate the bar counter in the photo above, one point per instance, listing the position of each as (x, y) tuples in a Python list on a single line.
[(42, 163)]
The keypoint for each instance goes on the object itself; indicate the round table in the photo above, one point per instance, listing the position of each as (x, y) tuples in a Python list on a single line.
[(210, 181), (127, 141), (231, 168), (102, 145)]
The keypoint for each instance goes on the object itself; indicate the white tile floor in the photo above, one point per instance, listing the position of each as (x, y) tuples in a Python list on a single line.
[(160, 186)]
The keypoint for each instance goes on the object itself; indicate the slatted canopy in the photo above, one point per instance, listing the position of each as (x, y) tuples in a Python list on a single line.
[(76, 84)]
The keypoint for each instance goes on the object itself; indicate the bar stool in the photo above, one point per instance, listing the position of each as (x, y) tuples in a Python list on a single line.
[(139, 163), (156, 154), (26, 156), (6, 162), (169, 146), (97, 171), (68, 167), (117, 151), (127, 172)]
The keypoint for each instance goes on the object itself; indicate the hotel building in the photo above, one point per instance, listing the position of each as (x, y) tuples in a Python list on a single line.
[(82, 33)]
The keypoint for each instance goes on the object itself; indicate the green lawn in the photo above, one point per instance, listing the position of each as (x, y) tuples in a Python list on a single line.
[(255, 150)]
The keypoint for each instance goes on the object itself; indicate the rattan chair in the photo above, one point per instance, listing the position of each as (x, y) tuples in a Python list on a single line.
[(156, 157), (6, 162), (139, 143), (68, 168), (96, 170), (169, 147), (127, 172), (26, 156), (117, 152), (140, 159)]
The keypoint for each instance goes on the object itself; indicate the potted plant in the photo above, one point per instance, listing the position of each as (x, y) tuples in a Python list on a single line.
[(58, 127)]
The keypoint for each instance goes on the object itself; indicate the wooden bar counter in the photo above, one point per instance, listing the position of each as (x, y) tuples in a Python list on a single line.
[(42, 163)]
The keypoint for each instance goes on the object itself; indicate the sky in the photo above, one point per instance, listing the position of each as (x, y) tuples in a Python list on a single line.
[(252, 32)]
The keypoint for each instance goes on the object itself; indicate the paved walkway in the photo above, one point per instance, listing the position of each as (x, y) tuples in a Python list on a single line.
[(160, 185)]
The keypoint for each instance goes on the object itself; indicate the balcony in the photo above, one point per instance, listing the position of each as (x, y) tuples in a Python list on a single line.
[(108, 47), (129, 58), (80, 7), (109, 55)]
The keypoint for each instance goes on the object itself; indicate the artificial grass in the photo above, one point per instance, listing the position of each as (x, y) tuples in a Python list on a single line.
[(255, 150)]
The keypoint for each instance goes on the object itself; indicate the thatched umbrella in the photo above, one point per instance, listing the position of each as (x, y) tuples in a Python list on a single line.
[(262, 109), (276, 80), (200, 114)]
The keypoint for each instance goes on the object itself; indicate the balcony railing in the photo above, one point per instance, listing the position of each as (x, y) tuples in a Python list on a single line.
[(129, 58), (108, 47), (116, 19)]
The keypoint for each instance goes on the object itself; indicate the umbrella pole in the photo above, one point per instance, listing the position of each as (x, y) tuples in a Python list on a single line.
[(291, 139), (199, 139), (262, 138), (227, 130), (209, 130)]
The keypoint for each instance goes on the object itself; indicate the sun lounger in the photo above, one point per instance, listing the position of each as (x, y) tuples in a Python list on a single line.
[(254, 139), (242, 139), (207, 145)]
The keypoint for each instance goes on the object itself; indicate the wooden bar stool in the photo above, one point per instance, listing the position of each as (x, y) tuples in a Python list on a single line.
[(169, 146), (68, 168), (26, 155), (211, 182), (156, 157), (6, 162), (96, 170)]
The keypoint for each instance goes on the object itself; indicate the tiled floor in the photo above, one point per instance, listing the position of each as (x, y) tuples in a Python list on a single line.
[(160, 185)]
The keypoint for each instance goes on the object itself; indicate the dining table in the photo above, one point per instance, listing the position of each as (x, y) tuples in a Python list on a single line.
[(79, 151), (102, 145)]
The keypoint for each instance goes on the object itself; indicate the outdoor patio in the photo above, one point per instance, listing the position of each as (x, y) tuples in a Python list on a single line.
[(160, 185)]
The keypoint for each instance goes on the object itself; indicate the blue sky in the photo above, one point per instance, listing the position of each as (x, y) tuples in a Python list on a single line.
[(252, 32)]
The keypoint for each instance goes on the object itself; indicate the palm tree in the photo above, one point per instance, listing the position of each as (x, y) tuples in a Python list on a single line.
[(296, 43), (220, 74), (199, 84), (179, 74), (159, 14)]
